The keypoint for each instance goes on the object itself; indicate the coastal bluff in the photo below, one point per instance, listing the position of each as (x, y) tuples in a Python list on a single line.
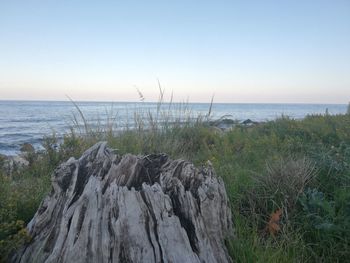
[(105, 207)]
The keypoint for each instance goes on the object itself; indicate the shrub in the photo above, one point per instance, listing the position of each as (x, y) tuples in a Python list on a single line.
[(20, 196), (12, 236), (12, 231), (326, 224), (334, 166)]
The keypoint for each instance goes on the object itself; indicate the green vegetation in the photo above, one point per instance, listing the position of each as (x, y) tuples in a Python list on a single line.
[(300, 168)]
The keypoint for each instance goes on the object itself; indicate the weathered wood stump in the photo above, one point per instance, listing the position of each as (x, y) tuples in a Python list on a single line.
[(110, 208)]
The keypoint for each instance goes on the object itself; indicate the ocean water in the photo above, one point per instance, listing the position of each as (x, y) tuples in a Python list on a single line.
[(31, 121)]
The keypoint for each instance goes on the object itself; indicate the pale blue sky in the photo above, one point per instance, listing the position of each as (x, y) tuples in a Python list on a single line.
[(243, 51)]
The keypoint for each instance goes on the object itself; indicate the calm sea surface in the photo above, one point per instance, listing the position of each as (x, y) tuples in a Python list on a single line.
[(30, 121)]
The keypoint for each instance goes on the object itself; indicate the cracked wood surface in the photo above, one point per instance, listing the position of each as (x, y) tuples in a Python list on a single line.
[(105, 207)]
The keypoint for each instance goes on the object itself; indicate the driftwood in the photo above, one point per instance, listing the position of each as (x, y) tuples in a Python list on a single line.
[(109, 208)]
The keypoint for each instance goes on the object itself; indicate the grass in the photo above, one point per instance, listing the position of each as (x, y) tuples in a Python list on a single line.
[(299, 166)]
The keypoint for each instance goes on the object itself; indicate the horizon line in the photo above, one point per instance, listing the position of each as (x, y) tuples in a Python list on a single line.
[(166, 102)]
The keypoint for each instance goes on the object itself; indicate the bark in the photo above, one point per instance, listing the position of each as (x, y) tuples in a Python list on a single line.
[(105, 207)]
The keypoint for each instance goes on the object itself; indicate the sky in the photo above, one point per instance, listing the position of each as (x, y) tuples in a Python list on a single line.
[(241, 51)]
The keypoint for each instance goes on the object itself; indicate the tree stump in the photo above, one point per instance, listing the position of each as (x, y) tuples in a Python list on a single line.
[(105, 207)]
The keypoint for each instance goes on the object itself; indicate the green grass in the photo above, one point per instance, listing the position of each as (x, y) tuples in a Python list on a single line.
[(299, 166)]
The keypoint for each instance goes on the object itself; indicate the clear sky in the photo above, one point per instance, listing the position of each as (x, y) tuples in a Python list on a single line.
[(241, 51)]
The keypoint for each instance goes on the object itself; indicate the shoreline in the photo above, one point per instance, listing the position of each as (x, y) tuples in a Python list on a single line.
[(224, 124), (31, 121)]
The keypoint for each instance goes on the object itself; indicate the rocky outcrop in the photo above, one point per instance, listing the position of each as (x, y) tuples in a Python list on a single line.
[(105, 207), (224, 124), (249, 122), (9, 164)]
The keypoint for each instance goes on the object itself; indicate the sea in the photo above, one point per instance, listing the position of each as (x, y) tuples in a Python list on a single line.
[(31, 121)]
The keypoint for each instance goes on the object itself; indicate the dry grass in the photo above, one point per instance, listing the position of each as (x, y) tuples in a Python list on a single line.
[(279, 187)]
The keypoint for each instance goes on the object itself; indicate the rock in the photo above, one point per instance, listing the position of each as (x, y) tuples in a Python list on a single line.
[(19, 161), (28, 153), (223, 124), (27, 148), (109, 208), (9, 164), (3, 158), (249, 122)]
